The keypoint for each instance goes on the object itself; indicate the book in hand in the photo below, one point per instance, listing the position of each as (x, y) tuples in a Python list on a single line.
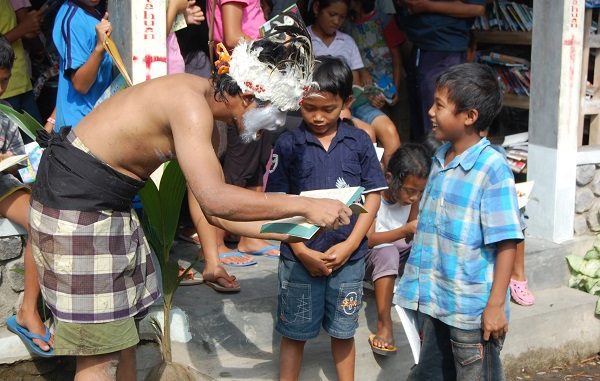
[(299, 227), (11, 161), (524, 193)]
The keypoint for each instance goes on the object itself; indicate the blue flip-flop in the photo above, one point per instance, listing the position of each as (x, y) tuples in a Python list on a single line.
[(236, 254), (262, 251), (27, 337)]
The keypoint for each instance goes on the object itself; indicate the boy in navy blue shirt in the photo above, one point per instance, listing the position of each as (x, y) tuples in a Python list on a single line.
[(320, 280)]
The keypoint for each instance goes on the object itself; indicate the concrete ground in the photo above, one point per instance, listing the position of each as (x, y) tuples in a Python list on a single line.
[(231, 337)]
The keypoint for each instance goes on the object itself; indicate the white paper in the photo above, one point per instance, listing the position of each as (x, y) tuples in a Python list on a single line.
[(524, 192), (409, 323), (511, 140), (11, 161), (379, 151)]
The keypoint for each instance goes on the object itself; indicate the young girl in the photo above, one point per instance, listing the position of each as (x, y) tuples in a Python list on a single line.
[(390, 233), (329, 41)]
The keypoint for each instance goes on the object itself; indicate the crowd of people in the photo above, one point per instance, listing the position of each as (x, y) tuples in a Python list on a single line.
[(298, 109)]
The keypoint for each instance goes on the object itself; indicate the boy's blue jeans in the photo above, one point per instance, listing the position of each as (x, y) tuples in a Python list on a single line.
[(449, 353)]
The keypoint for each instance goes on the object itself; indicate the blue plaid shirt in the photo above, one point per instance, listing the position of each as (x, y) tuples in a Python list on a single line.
[(468, 207)]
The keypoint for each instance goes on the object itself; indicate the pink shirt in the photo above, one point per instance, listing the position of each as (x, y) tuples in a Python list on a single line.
[(18, 4), (252, 18)]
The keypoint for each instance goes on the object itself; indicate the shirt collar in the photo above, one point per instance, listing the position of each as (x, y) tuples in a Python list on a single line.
[(305, 136), (314, 36), (466, 159)]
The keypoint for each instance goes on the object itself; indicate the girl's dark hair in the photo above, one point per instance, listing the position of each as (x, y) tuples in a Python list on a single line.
[(333, 76), (367, 6), (431, 143), (271, 53), (473, 86), (410, 159), (7, 54), (323, 4)]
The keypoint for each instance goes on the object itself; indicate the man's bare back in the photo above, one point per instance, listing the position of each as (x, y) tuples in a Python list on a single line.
[(131, 131)]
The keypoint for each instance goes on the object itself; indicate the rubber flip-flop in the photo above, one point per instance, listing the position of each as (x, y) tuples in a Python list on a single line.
[(219, 288), (27, 337), (239, 255), (382, 351), (262, 251), (191, 239), (191, 278)]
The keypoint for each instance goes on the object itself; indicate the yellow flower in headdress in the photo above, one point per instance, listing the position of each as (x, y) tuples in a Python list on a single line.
[(222, 64)]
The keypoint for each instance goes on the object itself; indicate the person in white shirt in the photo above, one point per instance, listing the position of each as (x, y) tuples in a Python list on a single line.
[(391, 232)]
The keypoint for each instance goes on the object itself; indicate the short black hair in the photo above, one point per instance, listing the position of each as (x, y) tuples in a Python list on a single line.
[(367, 6), (7, 54), (311, 18), (473, 86), (334, 76), (410, 159)]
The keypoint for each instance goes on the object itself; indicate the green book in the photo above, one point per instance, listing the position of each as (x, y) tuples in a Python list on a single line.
[(299, 227)]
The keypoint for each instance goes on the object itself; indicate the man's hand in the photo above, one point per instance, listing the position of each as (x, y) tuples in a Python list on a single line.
[(103, 29), (193, 14), (329, 214), (493, 322), (417, 6), (5, 155), (338, 255)]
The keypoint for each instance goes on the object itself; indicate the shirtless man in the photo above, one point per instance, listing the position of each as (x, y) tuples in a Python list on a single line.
[(94, 264)]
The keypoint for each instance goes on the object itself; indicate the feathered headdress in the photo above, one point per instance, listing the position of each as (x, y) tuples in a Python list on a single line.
[(283, 83)]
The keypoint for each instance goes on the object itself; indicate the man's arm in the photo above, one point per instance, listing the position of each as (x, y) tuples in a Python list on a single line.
[(456, 8), (493, 320), (192, 132), (28, 26)]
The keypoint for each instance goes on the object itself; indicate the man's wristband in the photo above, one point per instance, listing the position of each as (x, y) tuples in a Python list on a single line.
[(51, 120)]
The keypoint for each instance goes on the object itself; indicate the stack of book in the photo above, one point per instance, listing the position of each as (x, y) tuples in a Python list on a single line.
[(513, 72), (506, 16), (517, 149)]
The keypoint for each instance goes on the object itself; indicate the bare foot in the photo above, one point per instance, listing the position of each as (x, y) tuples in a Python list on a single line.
[(384, 339), (251, 245), (34, 324), (240, 259)]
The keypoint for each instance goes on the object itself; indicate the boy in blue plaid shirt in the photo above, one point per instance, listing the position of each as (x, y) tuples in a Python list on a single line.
[(459, 268)]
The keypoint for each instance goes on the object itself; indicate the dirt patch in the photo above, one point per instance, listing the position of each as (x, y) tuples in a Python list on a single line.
[(585, 370), (53, 369)]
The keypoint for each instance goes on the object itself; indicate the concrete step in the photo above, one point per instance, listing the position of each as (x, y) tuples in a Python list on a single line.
[(232, 336), (545, 264)]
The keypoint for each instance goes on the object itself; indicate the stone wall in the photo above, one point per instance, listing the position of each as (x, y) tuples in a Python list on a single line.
[(11, 275), (587, 200)]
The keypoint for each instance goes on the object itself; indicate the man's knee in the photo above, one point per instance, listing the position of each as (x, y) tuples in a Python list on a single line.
[(103, 366)]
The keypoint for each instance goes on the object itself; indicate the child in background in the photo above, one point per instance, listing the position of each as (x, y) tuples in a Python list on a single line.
[(459, 268), (19, 93), (389, 235), (85, 68), (14, 205), (322, 277), (378, 38), (329, 41)]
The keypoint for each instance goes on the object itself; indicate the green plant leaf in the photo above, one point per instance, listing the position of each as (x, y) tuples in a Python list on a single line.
[(26, 122), (172, 190)]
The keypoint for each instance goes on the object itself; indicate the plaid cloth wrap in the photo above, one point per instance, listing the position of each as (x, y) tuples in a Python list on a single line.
[(93, 267)]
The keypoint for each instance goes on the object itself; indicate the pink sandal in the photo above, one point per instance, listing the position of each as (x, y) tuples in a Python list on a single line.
[(519, 291)]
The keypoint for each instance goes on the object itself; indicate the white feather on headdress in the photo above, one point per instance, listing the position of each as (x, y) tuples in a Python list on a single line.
[(285, 83)]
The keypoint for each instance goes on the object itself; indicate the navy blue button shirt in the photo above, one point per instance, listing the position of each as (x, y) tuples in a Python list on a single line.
[(300, 163), (437, 32)]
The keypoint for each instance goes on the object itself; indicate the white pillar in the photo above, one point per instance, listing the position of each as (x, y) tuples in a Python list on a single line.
[(139, 31), (554, 116)]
